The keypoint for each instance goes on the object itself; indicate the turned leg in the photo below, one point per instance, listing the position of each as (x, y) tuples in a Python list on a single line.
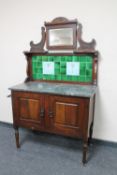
[(17, 137), (85, 148), (90, 134), (91, 126)]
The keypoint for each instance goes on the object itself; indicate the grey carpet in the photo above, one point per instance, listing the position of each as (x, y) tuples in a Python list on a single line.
[(44, 154)]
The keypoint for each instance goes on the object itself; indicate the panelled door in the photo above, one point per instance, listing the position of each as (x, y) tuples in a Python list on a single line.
[(29, 109), (66, 115)]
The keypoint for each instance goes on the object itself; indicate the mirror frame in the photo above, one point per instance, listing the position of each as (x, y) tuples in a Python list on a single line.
[(61, 24)]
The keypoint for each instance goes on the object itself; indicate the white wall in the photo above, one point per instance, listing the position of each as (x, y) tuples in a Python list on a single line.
[(20, 22)]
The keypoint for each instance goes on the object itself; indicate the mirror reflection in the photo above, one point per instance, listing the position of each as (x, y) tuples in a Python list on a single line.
[(59, 37)]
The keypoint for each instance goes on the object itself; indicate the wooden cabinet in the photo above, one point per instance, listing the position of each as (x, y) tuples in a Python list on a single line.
[(64, 115), (58, 95), (57, 114)]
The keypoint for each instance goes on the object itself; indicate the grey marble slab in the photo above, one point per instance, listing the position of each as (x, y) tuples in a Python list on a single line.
[(56, 88)]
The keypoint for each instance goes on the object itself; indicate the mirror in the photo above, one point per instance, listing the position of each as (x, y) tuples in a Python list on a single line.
[(61, 34), (61, 37)]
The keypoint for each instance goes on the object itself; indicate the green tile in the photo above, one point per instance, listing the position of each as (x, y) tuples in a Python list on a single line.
[(88, 59), (75, 58), (52, 77), (44, 58), (74, 78), (50, 58), (58, 77), (63, 71), (63, 58), (63, 77), (82, 78), (57, 71), (34, 58), (34, 76), (88, 79), (57, 65), (69, 58), (57, 58), (88, 65), (88, 72), (63, 64), (69, 78), (82, 59)]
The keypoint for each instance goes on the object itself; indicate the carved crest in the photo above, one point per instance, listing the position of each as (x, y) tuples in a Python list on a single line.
[(84, 46), (39, 47)]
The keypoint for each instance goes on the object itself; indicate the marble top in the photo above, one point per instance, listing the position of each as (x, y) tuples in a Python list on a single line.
[(56, 88)]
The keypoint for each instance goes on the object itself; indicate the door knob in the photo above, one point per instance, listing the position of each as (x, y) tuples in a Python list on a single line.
[(50, 114), (42, 113)]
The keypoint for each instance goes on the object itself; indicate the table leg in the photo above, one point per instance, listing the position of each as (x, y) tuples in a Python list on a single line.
[(85, 148), (17, 137)]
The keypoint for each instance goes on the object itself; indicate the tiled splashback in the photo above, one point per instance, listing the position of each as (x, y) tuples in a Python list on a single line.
[(65, 68)]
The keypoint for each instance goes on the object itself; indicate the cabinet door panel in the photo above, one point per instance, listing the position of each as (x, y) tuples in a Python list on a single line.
[(68, 113), (28, 109)]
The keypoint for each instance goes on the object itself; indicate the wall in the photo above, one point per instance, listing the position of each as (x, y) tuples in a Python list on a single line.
[(20, 22)]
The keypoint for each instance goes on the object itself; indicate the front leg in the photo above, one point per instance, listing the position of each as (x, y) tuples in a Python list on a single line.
[(85, 148), (90, 134), (17, 137)]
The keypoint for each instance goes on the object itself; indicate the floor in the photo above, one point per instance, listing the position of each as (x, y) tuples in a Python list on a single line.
[(44, 154)]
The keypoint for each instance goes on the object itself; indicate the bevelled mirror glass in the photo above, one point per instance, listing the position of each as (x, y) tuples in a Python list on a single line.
[(60, 37)]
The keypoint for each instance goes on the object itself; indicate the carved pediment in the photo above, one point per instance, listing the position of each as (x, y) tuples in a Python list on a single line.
[(62, 34)]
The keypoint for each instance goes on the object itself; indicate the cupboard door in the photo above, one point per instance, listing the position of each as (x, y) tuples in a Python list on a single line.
[(30, 109), (66, 115)]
